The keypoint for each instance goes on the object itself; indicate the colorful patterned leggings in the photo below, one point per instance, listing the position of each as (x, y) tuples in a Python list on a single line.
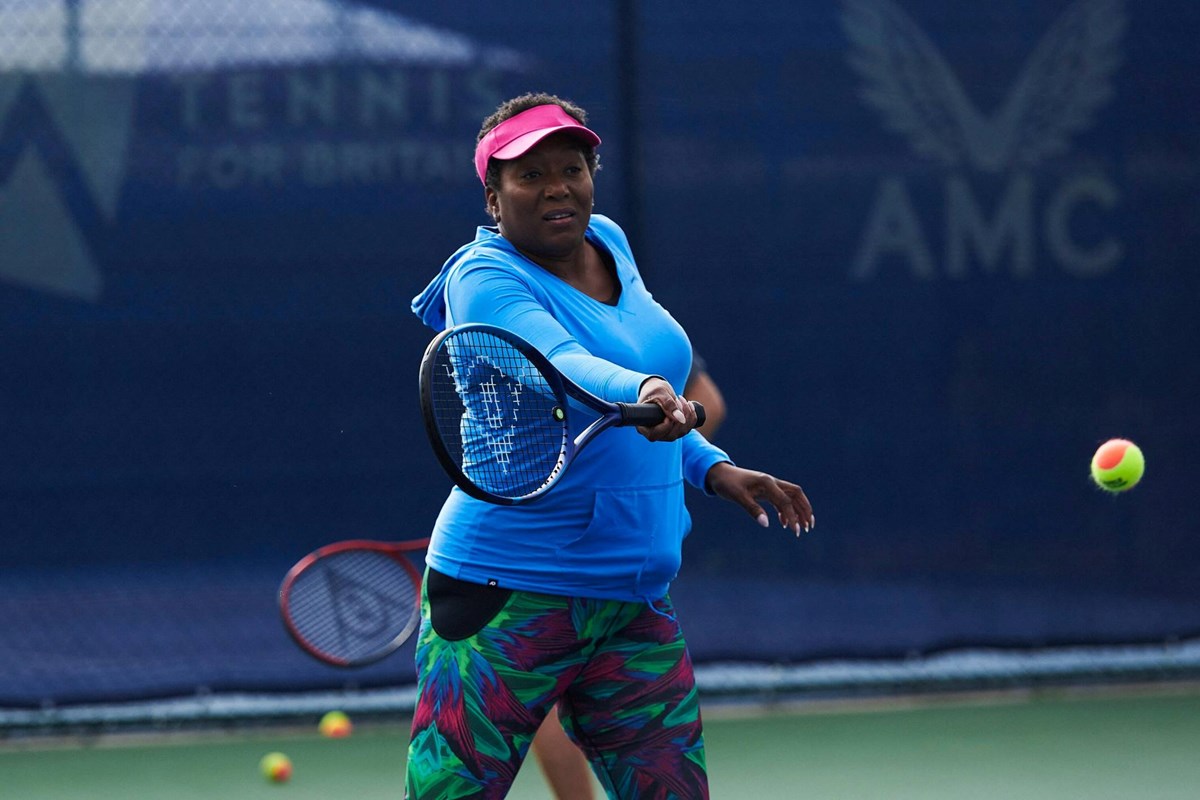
[(621, 671)]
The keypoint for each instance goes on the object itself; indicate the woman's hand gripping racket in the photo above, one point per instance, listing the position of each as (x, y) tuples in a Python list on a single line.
[(498, 417), (352, 603)]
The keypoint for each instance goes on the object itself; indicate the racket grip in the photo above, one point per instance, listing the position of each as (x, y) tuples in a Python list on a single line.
[(650, 414)]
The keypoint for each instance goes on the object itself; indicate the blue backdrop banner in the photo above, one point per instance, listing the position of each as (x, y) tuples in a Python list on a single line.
[(933, 253)]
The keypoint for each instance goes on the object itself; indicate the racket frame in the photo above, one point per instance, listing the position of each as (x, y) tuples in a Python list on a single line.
[(554, 380), (397, 551), (611, 414)]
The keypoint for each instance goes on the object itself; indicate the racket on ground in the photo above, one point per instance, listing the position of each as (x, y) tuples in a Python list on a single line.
[(498, 413), (352, 603)]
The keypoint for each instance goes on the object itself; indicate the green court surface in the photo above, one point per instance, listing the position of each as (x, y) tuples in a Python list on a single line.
[(1121, 746)]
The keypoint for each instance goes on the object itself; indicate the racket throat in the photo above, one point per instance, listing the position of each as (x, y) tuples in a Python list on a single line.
[(592, 431)]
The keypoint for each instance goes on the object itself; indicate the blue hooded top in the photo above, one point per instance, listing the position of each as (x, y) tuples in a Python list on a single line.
[(614, 525)]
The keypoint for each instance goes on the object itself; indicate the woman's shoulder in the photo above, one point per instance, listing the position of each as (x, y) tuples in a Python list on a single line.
[(610, 236), (608, 232), (488, 249), (488, 259)]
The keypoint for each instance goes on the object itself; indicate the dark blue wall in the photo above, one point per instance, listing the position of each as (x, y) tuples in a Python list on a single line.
[(933, 253)]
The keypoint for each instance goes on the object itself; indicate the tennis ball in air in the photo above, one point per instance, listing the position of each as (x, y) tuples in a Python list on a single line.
[(335, 725), (276, 767), (1118, 465)]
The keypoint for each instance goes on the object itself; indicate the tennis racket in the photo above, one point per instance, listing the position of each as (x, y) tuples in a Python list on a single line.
[(352, 603), (498, 413)]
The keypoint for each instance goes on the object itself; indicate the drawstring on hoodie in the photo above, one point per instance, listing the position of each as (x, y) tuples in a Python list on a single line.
[(668, 615)]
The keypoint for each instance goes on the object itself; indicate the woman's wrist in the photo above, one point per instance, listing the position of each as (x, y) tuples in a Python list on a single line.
[(714, 471)]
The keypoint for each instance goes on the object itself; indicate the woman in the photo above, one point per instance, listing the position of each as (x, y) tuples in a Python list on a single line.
[(565, 600)]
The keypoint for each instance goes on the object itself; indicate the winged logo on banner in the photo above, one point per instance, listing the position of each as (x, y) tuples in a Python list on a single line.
[(1064, 82)]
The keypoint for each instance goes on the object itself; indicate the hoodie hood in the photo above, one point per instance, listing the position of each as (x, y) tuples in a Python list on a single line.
[(430, 304)]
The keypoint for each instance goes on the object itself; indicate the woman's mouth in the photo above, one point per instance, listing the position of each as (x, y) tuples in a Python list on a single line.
[(558, 215)]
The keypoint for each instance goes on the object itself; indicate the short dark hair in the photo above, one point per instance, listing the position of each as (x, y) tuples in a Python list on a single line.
[(510, 108)]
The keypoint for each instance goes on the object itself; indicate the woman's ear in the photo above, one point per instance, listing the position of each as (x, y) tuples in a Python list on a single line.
[(491, 202)]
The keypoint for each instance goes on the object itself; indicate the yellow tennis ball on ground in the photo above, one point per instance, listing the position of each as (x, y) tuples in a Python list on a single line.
[(276, 767), (335, 725), (1118, 465)]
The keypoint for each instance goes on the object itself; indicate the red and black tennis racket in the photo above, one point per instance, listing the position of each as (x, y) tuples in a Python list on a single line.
[(353, 603), (498, 413)]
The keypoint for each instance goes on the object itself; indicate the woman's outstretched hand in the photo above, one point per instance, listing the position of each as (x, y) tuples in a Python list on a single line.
[(746, 487)]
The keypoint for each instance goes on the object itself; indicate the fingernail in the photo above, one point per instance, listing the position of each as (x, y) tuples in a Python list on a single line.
[(796, 528), (762, 520), (679, 417)]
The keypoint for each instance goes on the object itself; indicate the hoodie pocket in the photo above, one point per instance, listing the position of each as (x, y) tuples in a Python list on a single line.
[(633, 540)]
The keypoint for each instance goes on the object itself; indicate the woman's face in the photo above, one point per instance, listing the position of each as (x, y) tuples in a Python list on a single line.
[(544, 202)]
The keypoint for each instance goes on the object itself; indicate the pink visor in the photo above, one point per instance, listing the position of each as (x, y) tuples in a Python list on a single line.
[(516, 135)]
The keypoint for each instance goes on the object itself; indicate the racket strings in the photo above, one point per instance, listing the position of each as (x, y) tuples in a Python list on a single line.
[(498, 417), (354, 606)]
